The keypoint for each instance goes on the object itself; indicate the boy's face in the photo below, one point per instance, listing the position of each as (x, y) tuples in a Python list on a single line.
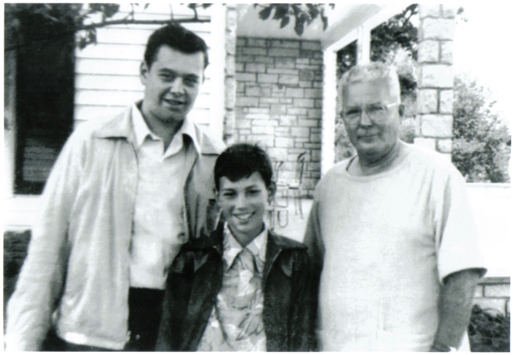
[(243, 204)]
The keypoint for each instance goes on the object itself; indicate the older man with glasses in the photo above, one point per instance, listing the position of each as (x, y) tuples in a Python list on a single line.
[(390, 233)]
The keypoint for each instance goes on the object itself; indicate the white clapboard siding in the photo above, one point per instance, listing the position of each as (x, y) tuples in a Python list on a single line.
[(106, 66), (91, 113), (107, 73), (87, 113), (112, 51), (109, 82), (121, 98)]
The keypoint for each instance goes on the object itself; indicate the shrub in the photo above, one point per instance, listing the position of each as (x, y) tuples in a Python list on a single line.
[(488, 331)]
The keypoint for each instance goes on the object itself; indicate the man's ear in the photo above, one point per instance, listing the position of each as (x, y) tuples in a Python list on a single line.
[(272, 190), (143, 72), (216, 194), (401, 109)]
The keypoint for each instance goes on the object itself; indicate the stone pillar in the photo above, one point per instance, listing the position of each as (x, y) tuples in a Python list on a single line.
[(229, 124), (330, 109), (435, 77)]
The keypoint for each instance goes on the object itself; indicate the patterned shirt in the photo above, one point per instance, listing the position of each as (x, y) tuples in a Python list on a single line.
[(236, 323)]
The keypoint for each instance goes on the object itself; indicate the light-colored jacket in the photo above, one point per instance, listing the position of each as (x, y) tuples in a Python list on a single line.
[(77, 269)]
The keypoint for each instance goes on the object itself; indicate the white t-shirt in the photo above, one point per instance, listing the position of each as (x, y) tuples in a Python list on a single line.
[(390, 239)]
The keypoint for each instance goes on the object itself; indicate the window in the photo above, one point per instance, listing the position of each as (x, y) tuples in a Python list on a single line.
[(44, 100)]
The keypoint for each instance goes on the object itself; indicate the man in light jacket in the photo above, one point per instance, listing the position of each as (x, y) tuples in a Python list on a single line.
[(122, 198)]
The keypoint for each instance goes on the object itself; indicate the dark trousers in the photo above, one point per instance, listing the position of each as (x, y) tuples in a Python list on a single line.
[(145, 307)]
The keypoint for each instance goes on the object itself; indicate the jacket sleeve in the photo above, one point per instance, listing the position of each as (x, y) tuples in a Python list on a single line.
[(176, 298), (302, 327), (40, 283)]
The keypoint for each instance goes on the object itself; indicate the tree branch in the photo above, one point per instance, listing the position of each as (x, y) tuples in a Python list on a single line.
[(107, 23), (139, 22)]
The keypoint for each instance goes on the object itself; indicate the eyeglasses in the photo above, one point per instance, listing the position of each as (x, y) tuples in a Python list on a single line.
[(377, 113)]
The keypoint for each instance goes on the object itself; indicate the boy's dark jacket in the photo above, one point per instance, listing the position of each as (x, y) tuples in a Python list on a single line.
[(194, 281)]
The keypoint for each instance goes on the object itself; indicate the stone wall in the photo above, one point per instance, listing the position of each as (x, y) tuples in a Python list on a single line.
[(435, 77), (493, 293), (279, 101)]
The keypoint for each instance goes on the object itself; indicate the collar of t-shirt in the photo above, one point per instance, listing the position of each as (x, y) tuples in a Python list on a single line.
[(141, 132), (232, 248)]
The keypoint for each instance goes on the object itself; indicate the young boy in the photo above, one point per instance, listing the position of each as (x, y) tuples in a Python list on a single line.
[(244, 288)]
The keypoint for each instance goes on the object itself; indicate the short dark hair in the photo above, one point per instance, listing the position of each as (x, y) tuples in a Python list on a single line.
[(177, 37), (242, 160)]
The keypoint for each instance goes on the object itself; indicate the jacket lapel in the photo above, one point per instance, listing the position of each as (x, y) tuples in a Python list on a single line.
[(214, 242), (208, 273), (272, 251)]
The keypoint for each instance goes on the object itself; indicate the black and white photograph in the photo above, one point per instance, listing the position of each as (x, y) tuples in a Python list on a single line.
[(282, 177)]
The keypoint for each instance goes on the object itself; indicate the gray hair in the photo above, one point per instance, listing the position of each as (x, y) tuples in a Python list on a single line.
[(371, 72)]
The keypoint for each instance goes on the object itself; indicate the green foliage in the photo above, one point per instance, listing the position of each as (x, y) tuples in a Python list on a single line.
[(489, 332), (53, 20), (481, 143), (346, 58), (388, 38), (40, 21), (397, 32), (14, 253), (303, 14)]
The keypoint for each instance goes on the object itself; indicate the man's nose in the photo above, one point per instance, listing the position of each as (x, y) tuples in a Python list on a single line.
[(177, 86), (364, 119)]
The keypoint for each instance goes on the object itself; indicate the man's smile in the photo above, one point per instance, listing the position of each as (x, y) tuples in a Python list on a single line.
[(174, 102), (243, 216), (367, 137)]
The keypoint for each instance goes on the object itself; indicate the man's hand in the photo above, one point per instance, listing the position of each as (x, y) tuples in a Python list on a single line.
[(455, 302), (441, 348)]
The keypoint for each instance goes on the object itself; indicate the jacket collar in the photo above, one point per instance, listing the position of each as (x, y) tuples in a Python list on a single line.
[(121, 127), (275, 245)]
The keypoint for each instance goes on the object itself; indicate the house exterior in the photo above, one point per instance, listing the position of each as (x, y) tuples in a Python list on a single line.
[(264, 85)]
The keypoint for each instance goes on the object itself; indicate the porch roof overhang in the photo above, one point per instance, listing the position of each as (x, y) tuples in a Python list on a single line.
[(346, 23), (343, 20)]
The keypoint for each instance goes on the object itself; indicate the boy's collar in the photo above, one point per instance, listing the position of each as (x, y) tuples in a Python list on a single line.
[(232, 248), (274, 245)]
